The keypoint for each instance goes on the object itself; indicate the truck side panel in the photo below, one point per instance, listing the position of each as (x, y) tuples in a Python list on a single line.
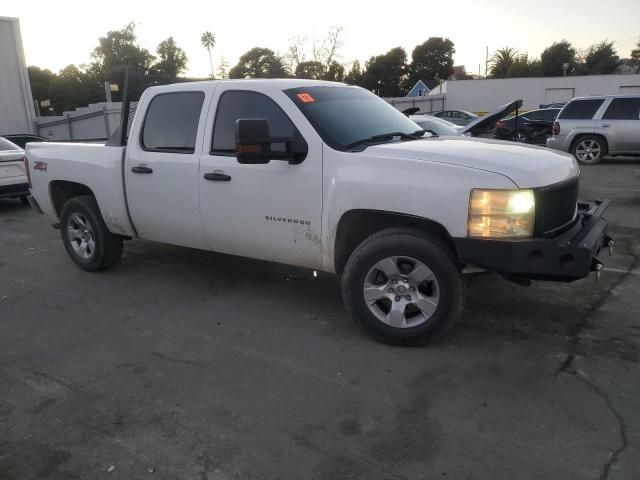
[(97, 167)]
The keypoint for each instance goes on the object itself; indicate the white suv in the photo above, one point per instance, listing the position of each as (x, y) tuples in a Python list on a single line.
[(593, 127), (13, 178)]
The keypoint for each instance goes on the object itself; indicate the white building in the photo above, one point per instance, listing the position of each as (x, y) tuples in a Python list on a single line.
[(488, 94), (17, 114)]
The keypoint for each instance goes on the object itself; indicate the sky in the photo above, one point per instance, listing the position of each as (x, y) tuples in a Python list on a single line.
[(65, 32)]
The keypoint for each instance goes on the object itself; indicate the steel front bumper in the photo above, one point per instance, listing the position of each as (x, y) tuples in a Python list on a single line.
[(566, 257)]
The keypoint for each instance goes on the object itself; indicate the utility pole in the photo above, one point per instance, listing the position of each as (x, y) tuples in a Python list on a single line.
[(107, 91), (486, 63)]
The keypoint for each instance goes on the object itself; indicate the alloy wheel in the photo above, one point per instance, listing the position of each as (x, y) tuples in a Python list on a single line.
[(401, 292), (588, 151), (81, 235)]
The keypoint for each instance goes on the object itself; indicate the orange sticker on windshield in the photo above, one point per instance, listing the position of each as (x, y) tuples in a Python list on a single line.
[(305, 98)]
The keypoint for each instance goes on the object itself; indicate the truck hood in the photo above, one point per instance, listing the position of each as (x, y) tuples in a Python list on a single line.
[(527, 166)]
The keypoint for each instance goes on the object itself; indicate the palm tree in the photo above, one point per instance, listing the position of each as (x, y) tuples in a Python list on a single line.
[(502, 60), (208, 41)]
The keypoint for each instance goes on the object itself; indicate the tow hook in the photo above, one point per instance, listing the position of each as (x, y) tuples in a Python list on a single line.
[(598, 267)]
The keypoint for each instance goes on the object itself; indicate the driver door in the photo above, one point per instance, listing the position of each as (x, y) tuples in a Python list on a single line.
[(267, 211)]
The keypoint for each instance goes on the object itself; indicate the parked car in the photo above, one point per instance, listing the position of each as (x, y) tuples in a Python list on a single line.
[(329, 177), (552, 105), (459, 117), (22, 139), (592, 127), (13, 178), (436, 126), (534, 126), (479, 127)]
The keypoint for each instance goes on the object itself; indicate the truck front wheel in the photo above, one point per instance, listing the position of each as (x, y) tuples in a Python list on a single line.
[(86, 237), (403, 287)]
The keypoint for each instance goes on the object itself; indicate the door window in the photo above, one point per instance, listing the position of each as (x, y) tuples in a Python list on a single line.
[(236, 104), (171, 122), (623, 109)]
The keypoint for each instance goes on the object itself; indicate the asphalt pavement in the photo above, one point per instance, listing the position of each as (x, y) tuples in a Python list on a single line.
[(183, 364)]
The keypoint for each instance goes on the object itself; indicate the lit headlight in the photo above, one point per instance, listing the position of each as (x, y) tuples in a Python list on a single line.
[(501, 213)]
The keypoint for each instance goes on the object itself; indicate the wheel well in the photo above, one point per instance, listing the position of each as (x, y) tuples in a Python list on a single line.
[(356, 225), (61, 191), (582, 135)]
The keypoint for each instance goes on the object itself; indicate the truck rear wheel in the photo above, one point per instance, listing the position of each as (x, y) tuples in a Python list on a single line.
[(86, 237), (403, 287)]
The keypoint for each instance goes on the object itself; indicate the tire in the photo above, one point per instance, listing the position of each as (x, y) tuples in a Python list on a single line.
[(589, 150), (410, 251), (520, 136), (81, 224)]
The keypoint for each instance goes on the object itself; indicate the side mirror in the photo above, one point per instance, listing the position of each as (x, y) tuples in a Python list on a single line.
[(253, 142)]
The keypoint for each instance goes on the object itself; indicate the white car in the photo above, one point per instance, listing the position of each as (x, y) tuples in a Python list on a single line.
[(13, 178), (437, 126), (329, 177)]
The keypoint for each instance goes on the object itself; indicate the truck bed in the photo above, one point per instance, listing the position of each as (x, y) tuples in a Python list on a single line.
[(56, 166)]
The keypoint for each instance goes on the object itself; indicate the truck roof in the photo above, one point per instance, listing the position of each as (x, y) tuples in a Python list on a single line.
[(280, 83)]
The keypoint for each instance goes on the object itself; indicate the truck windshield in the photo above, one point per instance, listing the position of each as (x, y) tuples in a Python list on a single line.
[(349, 116)]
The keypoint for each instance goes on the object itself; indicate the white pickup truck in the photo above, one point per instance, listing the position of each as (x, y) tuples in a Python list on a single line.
[(329, 177)]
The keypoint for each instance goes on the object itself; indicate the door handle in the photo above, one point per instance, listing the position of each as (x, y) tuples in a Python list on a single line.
[(141, 169), (217, 176), (605, 125)]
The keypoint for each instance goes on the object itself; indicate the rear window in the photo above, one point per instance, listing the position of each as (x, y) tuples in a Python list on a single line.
[(581, 109), (171, 123), (542, 115), (623, 109), (7, 145)]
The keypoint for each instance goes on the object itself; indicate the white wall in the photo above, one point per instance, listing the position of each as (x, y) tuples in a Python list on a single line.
[(17, 113), (487, 95), (95, 121), (426, 104)]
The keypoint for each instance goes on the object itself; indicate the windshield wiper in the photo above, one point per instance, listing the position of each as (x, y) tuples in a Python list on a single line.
[(385, 137)]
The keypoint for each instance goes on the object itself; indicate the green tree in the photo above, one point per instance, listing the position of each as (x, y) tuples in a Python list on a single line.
[(72, 88), (385, 74), (40, 81), (635, 57), (312, 69), (554, 57), (523, 66), (334, 72), (172, 60), (601, 59), (354, 77), (118, 49), (259, 63), (432, 59), (501, 61), (208, 41)]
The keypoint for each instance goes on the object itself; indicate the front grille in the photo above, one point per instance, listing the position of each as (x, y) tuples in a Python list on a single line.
[(555, 207)]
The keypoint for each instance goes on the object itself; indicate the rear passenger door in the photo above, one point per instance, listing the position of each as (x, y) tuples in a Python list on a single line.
[(161, 168), (577, 116), (621, 125)]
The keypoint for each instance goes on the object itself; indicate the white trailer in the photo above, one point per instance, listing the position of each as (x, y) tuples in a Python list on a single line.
[(487, 95), (17, 113)]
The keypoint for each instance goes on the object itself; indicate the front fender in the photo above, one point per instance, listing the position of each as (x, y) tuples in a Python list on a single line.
[(434, 191)]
